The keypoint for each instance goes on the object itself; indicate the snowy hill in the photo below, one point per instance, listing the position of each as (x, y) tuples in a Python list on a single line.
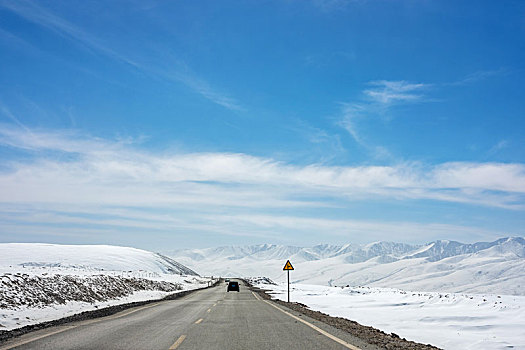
[(95, 257), (42, 282), (483, 267)]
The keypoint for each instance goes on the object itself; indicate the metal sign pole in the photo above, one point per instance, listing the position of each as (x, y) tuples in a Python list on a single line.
[(288, 285), (287, 267)]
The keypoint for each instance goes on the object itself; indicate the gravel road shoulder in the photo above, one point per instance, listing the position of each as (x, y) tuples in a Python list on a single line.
[(367, 334)]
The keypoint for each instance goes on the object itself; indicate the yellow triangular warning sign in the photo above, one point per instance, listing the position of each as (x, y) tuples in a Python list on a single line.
[(288, 266)]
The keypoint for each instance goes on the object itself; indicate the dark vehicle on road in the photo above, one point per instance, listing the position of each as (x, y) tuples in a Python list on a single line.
[(233, 286)]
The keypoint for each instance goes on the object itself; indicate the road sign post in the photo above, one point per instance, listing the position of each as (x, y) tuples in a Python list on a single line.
[(287, 267)]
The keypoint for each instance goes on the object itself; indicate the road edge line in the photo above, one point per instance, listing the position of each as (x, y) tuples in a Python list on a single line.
[(323, 332), (27, 341), (256, 296)]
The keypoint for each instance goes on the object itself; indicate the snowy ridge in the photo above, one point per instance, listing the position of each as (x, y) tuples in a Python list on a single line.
[(433, 251), (355, 253), (95, 257), (448, 266), (439, 250)]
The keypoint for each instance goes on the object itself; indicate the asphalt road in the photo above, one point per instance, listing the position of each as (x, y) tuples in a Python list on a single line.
[(207, 319)]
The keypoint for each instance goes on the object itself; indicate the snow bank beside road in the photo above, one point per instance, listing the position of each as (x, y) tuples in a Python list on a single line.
[(30, 299), (44, 282), (446, 320), (21, 290)]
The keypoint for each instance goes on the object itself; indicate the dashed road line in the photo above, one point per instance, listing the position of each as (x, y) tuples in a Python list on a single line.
[(112, 317), (177, 343), (199, 321)]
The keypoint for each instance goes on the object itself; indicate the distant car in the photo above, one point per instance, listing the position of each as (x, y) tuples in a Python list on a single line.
[(227, 280), (233, 286)]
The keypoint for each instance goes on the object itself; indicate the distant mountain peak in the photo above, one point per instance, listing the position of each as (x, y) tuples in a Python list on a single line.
[(387, 251), (441, 249), (441, 265)]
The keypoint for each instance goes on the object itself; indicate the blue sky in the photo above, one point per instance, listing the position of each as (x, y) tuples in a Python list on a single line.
[(166, 124)]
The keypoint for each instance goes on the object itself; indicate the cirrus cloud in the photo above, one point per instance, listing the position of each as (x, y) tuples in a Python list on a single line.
[(69, 180), (67, 158)]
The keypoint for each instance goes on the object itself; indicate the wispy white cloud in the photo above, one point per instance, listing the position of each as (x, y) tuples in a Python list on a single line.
[(369, 230), (377, 101), (502, 144), (386, 92), (78, 225), (480, 76), (97, 163), (72, 180), (35, 13), (40, 15), (7, 113), (351, 113), (203, 88), (382, 96), (329, 143)]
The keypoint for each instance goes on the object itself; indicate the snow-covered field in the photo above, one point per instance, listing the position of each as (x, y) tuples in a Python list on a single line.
[(447, 320), (43, 282)]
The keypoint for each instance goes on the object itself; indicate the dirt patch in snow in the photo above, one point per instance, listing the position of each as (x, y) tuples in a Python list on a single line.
[(259, 280), (367, 334)]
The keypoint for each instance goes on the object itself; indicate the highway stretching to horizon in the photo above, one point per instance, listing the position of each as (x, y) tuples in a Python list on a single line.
[(206, 319)]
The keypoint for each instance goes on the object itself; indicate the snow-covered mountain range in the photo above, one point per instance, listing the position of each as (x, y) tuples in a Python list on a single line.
[(483, 267)]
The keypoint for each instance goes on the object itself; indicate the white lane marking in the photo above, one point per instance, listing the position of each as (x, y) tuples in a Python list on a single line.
[(11, 346), (112, 317), (178, 342), (83, 323), (325, 333), (199, 321)]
